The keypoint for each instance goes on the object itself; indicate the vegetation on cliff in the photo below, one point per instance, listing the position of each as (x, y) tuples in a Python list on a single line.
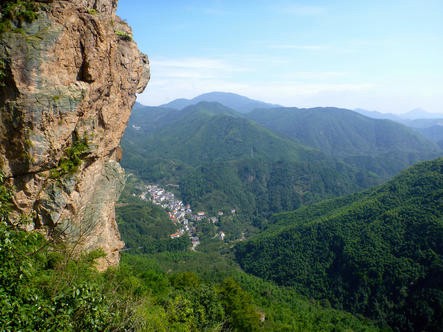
[(13, 13), (70, 163)]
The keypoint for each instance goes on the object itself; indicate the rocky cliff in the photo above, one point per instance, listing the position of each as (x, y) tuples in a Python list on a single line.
[(69, 75)]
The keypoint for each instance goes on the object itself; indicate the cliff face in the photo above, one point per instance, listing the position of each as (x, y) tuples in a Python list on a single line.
[(69, 80)]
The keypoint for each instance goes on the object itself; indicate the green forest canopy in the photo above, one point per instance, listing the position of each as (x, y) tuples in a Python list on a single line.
[(379, 253)]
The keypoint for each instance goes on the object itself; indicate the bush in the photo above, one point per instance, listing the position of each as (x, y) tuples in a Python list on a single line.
[(17, 12), (5, 199), (70, 163), (123, 35)]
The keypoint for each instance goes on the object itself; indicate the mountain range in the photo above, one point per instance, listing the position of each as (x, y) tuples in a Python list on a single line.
[(268, 160), (415, 114), (380, 146), (430, 125), (223, 160), (375, 253), (165, 143), (427, 124)]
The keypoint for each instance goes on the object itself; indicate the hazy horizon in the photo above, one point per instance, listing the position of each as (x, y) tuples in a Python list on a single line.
[(374, 55), (417, 109)]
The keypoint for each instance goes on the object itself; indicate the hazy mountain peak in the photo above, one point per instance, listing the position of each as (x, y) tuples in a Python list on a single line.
[(419, 113), (234, 101)]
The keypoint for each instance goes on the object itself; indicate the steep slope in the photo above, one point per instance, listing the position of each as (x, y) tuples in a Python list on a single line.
[(380, 146), (70, 72), (239, 103), (378, 253), (223, 161)]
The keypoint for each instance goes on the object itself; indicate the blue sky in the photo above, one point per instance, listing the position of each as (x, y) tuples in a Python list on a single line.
[(378, 55)]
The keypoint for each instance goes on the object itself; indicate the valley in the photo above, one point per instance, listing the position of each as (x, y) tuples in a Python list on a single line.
[(182, 216), (344, 251), (217, 212)]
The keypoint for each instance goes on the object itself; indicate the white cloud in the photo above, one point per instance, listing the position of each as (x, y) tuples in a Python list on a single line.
[(192, 68), (190, 63), (319, 76)]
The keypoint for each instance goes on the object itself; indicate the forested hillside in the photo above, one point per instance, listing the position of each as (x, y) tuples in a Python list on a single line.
[(220, 213), (378, 253), (380, 146), (45, 286), (223, 161)]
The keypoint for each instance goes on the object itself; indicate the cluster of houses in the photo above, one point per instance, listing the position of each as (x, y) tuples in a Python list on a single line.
[(181, 215)]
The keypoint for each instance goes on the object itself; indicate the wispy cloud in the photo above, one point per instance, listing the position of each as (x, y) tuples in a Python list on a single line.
[(188, 78), (303, 10), (212, 8), (318, 75), (292, 93), (173, 78), (191, 63), (255, 77), (216, 11), (293, 89), (299, 47), (192, 68)]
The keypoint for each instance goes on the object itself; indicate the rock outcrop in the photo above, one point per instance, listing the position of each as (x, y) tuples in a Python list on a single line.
[(69, 80)]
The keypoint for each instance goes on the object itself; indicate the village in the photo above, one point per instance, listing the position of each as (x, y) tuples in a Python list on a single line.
[(181, 215)]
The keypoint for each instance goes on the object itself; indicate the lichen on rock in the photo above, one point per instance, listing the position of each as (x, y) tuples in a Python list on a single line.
[(67, 76)]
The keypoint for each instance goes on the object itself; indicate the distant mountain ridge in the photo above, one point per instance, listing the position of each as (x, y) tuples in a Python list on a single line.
[(430, 125), (380, 146), (239, 103), (220, 157), (426, 123), (418, 113), (267, 160), (188, 145), (415, 114), (244, 104), (378, 115)]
